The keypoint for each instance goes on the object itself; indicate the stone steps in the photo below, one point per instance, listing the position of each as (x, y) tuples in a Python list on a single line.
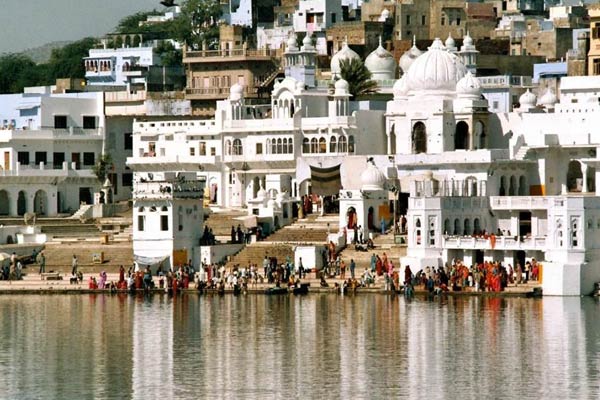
[(221, 221), (256, 252), (59, 256)]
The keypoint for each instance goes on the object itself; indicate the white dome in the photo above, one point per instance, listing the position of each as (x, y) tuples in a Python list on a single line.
[(436, 70), (409, 57), (261, 194), (527, 99), (400, 89), (385, 14), (372, 178), (469, 86), (381, 63), (345, 53), (450, 43), (342, 87), (272, 204), (291, 43), (236, 92), (467, 40), (548, 99), (306, 41)]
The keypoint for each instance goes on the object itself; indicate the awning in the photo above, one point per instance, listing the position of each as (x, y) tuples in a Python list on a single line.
[(149, 261), (325, 181)]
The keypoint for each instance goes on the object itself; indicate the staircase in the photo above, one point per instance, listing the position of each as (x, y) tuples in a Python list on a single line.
[(255, 253), (520, 155), (83, 209), (383, 244), (271, 77), (71, 230), (59, 256), (221, 221), (310, 230)]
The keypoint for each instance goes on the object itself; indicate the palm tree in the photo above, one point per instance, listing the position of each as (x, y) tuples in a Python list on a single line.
[(358, 77)]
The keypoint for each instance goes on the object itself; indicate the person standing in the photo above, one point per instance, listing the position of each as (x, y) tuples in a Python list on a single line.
[(352, 268), (74, 265), (42, 261), (301, 269)]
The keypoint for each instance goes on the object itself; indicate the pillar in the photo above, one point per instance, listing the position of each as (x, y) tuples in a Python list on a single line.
[(584, 168)]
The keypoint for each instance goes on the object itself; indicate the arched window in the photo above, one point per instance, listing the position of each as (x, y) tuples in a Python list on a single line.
[(164, 209), (522, 186), (314, 147), (502, 189), (461, 136), (305, 146), (290, 146), (351, 144), (456, 226), (237, 147), (322, 145), (228, 147), (419, 138), (343, 145), (333, 145), (512, 186), (476, 226), (279, 146), (446, 226), (467, 230)]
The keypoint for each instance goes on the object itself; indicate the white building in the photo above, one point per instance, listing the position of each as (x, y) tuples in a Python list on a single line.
[(528, 176), (314, 17), (48, 146)]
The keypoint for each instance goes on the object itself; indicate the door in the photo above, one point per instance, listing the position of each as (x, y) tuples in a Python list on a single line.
[(75, 157), (85, 195), (6, 160)]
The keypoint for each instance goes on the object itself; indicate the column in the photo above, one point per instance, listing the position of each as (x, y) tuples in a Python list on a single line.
[(584, 168)]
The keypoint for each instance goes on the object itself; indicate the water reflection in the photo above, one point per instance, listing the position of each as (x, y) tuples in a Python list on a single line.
[(318, 346)]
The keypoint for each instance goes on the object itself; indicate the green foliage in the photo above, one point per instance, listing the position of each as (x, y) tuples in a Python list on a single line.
[(170, 56), (131, 23), (67, 61), (16, 72), (102, 167), (358, 77), (198, 23)]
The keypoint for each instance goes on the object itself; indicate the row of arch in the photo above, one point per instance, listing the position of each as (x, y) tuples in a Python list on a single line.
[(280, 146), (234, 149), (513, 186), (336, 145), (283, 107), (96, 66), (463, 139), (40, 202), (463, 227)]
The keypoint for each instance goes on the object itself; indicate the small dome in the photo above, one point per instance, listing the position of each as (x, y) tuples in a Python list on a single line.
[(345, 53), (291, 43), (236, 92), (306, 41), (409, 57), (372, 178), (381, 63), (469, 86), (527, 99), (436, 70), (261, 194), (342, 87), (467, 40), (548, 99), (385, 14), (400, 89), (450, 43)]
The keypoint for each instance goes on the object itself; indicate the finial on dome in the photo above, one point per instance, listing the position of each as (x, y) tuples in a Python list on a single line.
[(379, 40), (414, 40)]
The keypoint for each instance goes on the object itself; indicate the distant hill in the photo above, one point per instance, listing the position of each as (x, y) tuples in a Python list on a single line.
[(41, 54)]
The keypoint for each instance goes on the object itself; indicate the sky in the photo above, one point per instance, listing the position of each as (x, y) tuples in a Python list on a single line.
[(32, 23)]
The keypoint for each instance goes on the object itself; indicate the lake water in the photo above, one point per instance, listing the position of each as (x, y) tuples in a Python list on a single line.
[(312, 347)]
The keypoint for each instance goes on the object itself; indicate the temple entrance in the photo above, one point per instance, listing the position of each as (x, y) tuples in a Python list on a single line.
[(370, 218), (40, 203), (524, 223), (351, 218), (461, 136), (4, 202), (22, 203), (419, 138)]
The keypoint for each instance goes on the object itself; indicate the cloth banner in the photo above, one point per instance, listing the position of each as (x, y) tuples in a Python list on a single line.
[(149, 261), (326, 181)]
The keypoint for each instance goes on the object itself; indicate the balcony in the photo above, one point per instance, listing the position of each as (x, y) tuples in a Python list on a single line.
[(124, 96), (228, 55), (527, 203), (502, 243), (48, 170), (153, 159), (216, 93), (164, 190), (48, 133)]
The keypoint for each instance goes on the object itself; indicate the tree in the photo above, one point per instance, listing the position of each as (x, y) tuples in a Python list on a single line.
[(131, 23), (198, 23), (358, 77), (102, 167), (16, 72), (67, 61)]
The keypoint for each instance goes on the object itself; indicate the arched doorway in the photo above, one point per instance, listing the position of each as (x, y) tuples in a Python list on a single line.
[(457, 226), (512, 187), (4, 202), (21, 203), (371, 218), (40, 203), (467, 230), (574, 177), (591, 179), (502, 189), (523, 186), (461, 136), (351, 218), (419, 138)]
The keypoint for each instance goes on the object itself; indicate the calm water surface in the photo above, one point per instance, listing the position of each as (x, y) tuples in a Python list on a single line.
[(318, 346)]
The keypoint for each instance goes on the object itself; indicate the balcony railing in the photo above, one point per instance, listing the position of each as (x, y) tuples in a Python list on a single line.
[(217, 91), (230, 53), (494, 243), (519, 203), (167, 190)]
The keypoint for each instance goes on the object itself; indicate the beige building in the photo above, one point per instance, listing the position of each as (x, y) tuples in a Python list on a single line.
[(363, 36), (211, 73), (594, 53), (457, 17), (541, 40)]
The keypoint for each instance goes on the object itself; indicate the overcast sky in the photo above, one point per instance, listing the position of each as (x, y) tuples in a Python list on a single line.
[(31, 23)]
